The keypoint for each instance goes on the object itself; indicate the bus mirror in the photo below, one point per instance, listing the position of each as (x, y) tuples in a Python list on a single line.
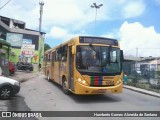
[(73, 50)]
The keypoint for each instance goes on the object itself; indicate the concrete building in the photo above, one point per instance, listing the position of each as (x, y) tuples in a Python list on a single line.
[(4, 57), (26, 45)]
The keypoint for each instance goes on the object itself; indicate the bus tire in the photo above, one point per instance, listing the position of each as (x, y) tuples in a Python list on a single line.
[(64, 86), (48, 78)]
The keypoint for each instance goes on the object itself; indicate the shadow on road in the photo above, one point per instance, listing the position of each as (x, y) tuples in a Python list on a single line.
[(95, 98), (90, 98), (17, 103)]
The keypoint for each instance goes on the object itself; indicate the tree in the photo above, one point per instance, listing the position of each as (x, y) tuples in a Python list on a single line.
[(46, 47)]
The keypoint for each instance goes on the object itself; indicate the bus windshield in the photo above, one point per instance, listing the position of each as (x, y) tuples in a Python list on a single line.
[(98, 59)]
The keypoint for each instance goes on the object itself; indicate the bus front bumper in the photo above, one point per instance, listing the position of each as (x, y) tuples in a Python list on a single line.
[(82, 89)]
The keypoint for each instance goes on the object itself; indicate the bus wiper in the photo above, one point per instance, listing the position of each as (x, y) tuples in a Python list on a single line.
[(97, 53)]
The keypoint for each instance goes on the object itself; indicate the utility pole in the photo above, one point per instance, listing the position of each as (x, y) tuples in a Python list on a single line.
[(41, 12), (1, 7), (41, 3), (96, 7), (136, 52)]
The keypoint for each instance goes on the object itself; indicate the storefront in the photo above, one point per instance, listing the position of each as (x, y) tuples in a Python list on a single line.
[(4, 56), (26, 45)]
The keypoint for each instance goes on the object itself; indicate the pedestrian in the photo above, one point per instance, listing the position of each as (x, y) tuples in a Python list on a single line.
[(125, 78), (39, 67)]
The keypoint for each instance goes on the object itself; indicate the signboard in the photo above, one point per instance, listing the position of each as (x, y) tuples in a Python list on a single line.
[(27, 50), (96, 40), (2, 51), (15, 39), (27, 41)]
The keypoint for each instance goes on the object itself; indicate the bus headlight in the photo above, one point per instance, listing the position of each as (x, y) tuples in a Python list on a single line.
[(82, 81), (79, 79), (118, 82)]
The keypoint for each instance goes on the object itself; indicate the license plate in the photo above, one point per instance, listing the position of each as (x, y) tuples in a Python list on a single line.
[(108, 91), (101, 91)]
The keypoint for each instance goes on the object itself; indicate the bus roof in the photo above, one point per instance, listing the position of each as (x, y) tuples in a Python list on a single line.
[(73, 39)]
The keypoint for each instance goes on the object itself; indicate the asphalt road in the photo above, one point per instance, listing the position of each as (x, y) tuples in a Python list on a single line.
[(37, 94)]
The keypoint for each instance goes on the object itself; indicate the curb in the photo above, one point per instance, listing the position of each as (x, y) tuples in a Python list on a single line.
[(142, 91)]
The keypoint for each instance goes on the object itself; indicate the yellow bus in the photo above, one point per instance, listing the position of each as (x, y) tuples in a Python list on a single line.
[(86, 65)]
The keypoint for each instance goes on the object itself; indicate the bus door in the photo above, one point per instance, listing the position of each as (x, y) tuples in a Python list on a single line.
[(70, 69)]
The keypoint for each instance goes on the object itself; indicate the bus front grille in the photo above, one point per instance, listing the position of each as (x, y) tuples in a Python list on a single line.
[(100, 81)]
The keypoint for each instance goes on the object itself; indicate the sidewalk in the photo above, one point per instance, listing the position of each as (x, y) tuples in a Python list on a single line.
[(23, 76), (142, 91)]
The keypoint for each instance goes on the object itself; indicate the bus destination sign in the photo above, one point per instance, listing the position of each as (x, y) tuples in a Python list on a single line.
[(95, 40)]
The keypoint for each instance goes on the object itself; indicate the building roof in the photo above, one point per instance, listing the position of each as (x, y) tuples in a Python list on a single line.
[(140, 59), (155, 62), (17, 30)]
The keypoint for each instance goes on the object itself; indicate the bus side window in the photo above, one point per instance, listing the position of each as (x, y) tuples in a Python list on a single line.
[(56, 56), (53, 56), (47, 57), (50, 56), (59, 56), (64, 53)]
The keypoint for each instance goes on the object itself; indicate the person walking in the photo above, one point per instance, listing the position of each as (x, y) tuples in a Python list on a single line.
[(39, 67)]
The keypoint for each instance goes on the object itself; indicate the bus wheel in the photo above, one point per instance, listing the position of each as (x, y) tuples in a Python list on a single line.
[(64, 87), (48, 78)]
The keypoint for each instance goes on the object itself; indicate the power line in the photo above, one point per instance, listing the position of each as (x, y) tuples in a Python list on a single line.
[(4, 4), (139, 48), (148, 48), (129, 50)]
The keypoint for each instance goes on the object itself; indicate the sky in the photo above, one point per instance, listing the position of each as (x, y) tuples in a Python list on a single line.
[(135, 23)]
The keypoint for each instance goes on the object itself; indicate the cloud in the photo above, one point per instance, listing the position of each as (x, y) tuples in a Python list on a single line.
[(62, 34), (115, 34), (73, 13), (145, 39), (76, 14), (133, 9), (26, 11), (57, 33)]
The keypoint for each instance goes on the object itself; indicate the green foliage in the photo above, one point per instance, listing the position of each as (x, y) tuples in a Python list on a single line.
[(136, 77), (158, 73), (46, 47)]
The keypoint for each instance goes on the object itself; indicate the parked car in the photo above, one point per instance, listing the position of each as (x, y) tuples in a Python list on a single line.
[(1, 73), (11, 68), (8, 87), (25, 66)]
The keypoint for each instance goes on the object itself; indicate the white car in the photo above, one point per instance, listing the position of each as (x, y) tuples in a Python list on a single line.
[(1, 73), (8, 87)]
